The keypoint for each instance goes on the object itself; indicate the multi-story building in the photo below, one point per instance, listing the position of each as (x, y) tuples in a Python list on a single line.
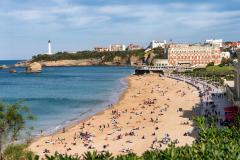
[(193, 54), (117, 47), (225, 55), (155, 44), (133, 47), (101, 49), (215, 42), (160, 62), (232, 45)]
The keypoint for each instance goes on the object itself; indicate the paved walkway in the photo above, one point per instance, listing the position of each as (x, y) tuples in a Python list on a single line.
[(213, 99)]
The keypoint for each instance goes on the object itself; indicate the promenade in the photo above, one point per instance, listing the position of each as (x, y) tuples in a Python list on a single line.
[(213, 99)]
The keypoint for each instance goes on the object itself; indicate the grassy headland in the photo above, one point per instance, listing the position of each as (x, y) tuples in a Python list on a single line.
[(121, 56), (135, 57)]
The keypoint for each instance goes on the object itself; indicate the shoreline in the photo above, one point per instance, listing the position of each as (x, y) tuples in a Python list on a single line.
[(42, 142), (73, 123)]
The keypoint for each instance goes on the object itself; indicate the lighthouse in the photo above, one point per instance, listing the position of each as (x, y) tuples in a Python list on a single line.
[(49, 47)]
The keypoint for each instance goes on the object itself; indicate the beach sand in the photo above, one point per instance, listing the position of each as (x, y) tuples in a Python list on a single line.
[(146, 117)]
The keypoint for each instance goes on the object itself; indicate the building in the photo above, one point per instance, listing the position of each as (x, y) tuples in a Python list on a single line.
[(49, 47), (179, 54), (233, 92), (215, 42), (225, 55), (155, 44), (117, 47), (160, 62), (237, 81), (234, 45), (101, 49), (133, 47)]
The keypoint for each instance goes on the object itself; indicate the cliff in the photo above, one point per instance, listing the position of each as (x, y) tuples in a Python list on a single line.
[(85, 62), (89, 58)]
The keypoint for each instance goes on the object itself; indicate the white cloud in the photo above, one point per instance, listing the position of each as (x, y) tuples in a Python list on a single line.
[(30, 15), (188, 15), (76, 25)]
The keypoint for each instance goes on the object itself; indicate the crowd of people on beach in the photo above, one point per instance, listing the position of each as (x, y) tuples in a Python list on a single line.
[(128, 124)]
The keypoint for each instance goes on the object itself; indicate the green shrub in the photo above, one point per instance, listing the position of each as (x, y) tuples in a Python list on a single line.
[(17, 152), (57, 156), (212, 143), (210, 64)]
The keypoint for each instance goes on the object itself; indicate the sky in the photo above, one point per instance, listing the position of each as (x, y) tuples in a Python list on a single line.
[(73, 25)]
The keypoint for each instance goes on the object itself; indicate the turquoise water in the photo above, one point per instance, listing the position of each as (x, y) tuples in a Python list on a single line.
[(61, 95)]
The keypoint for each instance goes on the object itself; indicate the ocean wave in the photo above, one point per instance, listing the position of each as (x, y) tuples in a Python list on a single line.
[(113, 99)]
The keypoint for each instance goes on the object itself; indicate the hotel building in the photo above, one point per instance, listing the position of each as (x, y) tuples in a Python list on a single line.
[(156, 44), (133, 47), (101, 49), (235, 45), (193, 54), (117, 47), (215, 42)]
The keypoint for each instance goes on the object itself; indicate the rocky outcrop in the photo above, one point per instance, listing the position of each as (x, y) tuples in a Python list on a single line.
[(12, 71), (34, 67), (85, 62), (3, 67), (135, 61), (149, 57), (22, 64), (117, 60)]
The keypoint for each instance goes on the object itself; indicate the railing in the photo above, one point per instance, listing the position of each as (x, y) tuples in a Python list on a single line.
[(164, 68)]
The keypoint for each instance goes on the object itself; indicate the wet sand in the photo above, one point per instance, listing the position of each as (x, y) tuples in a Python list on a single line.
[(146, 117)]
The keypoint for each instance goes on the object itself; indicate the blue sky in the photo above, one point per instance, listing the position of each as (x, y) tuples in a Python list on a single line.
[(27, 25)]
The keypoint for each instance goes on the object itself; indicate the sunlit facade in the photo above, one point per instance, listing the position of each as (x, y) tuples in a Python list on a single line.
[(193, 54)]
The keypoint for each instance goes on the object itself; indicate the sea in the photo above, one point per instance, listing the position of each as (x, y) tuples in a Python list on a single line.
[(59, 96)]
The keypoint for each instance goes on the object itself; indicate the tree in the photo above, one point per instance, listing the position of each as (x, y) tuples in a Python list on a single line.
[(238, 54), (226, 62), (210, 64), (159, 53), (18, 152), (103, 56), (13, 118)]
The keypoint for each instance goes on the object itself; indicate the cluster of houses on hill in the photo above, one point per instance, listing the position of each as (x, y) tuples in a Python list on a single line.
[(118, 47), (130, 47), (198, 54), (201, 54)]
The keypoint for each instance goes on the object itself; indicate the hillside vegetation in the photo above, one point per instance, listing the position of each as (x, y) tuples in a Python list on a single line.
[(111, 57), (214, 74), (104, 56)]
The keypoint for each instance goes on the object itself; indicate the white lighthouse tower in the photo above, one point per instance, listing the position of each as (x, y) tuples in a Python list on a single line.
[(49, 47)]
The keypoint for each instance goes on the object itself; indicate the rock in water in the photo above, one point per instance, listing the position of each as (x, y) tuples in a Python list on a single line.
[(3, 67), (12, 71), (34, 68)]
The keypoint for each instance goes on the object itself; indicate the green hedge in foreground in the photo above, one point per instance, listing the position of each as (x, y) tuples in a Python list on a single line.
[(212, 144)]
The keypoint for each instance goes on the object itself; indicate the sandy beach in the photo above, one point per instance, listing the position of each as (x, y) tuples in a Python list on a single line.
[(146, 117)]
